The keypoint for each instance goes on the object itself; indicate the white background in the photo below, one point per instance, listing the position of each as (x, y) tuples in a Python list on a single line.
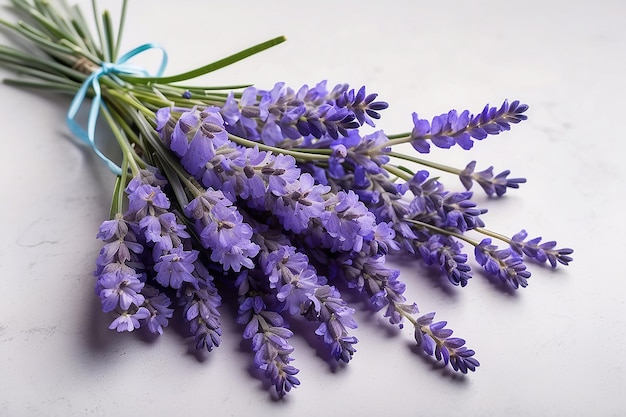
[(555, 348)]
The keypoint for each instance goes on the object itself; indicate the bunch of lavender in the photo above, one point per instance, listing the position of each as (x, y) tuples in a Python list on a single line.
[(274, 195)]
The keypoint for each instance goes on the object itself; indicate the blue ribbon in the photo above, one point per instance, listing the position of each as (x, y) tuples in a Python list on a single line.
[(106, 68)]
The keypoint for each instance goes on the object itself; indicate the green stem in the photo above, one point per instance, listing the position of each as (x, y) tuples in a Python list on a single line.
[(207, 68), (117, 202), (79, 24), (119, 119), (389, 143), (442, 231), (96, 19), (42, 75), (165, 156), (493, 234), (109, 45), (28, 60), (316, 151), (120, 29), (127, 98), (300, 156), (397, 171), (441, 167), (57, 87), (122, 141)]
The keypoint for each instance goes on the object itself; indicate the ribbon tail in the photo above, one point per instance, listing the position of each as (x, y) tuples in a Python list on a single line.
[(88, 136)]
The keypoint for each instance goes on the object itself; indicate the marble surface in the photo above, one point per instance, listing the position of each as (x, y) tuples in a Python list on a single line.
[(555, 348)]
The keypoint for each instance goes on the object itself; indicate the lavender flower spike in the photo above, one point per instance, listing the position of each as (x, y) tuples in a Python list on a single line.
[(435, 340), (540, 252), (503, 263), (269, 335), (492, 185), (453, 128), (335, 316), (222, 230), (118, 270)]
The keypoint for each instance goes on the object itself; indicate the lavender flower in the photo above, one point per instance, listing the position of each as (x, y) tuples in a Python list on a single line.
[(269, 335), (285, 197), (281, 113), (301, 201), (176, 267), (335, 317), (446, 253), (127, 321), (433, 205), (361, 156), (453, 128), (119, 289), (363, 106), (503, 263), (291, 275), (349, 223), (540, 252), (492, 185), (300, 290), (200, 308), (158, 305), (436, 340), (118, 273), (222, 230)]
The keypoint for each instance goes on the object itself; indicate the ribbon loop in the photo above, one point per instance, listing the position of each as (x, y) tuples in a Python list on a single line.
[(87, 136)]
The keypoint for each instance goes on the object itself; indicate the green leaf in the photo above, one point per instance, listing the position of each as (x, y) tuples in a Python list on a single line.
[(207, 68)]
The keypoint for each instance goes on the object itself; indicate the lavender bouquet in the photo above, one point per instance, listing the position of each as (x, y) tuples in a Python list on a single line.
[(276, 196)]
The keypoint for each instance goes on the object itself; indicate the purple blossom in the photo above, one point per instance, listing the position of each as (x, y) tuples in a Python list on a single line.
[(362, 156), (492, 185), (452, 128), (200, 308), (176, 267), (369, 273), (127, 322), (460, 213), (207, 138), (240, 118), (428, 194), (301, 201), (222, 230), (162, 117), (349, 223), (363, 106), (118, 267), (158, 304), (119, 289), (335, 317), (121, 250), (292, 276), (503, 263), (540, 252), (283, 114), (435, 340), (383, 240), (171, 234), (144, 197), (445, 252), (269, 335), (114, 228)]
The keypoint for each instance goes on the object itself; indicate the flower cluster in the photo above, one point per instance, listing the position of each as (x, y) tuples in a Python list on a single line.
[(278, 196), (148, 258)]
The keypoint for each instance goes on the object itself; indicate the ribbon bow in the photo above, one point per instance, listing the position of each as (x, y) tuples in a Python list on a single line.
[(106, 68)]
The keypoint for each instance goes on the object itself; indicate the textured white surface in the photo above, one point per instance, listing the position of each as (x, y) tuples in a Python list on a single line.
[(555, 348)]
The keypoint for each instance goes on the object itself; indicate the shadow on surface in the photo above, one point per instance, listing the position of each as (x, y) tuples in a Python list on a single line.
[(438, 367)]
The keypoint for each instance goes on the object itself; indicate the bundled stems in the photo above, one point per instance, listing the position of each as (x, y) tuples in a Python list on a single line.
[(278, 192)]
